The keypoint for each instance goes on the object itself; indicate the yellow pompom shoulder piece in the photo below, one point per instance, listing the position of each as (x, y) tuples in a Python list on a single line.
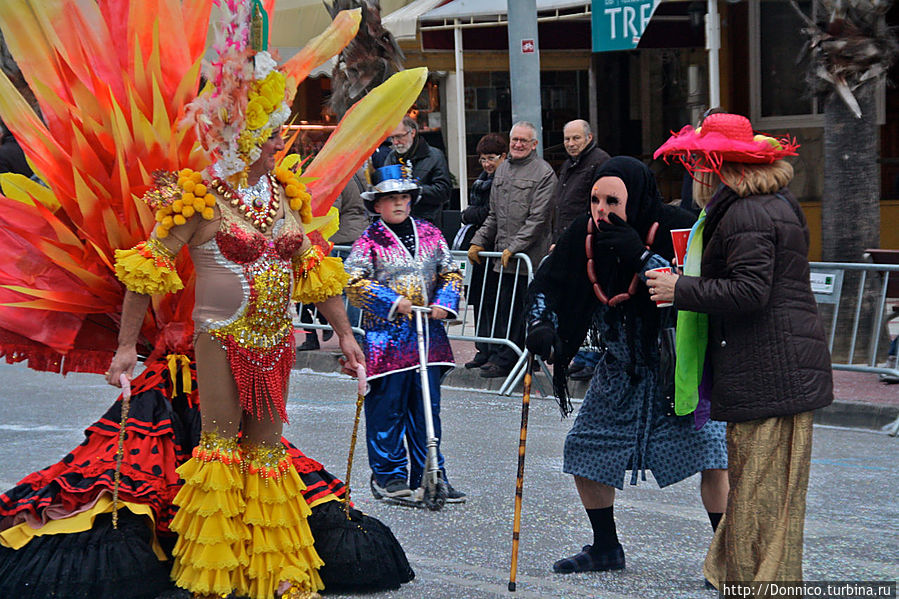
[(148, 268), (177, 197), (316, 283), (298, 198)]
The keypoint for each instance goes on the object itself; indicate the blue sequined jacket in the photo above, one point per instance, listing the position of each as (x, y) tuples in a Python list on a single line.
[(381, 273)]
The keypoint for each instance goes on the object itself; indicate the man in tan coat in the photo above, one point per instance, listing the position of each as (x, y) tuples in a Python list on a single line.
[(519, 221)]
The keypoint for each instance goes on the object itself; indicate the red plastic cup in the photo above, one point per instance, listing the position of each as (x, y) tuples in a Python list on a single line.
[(662, 269), (679, 239)]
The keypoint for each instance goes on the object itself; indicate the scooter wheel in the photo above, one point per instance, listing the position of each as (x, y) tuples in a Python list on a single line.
[(435, 496)]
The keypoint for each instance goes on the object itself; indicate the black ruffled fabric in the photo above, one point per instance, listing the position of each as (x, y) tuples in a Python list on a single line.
[(360, 552), (103, 563), (99, 563)]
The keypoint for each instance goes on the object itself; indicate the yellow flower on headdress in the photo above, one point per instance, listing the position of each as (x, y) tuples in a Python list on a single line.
[(257, 117)]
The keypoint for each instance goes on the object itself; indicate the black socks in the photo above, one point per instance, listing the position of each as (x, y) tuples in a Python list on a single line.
[(715, 518), (605, 537)]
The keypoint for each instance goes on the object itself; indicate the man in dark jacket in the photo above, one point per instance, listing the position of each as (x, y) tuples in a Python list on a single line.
[(12, 158), (571, 197), (428, 167)]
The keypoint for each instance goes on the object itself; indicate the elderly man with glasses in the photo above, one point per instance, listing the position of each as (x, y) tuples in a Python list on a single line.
[(428, 167), (519, 221)]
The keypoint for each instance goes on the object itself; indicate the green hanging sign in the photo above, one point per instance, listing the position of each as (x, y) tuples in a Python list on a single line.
[(619, 24)]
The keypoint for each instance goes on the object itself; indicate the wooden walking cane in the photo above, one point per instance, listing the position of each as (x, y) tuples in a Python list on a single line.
[(519, 483), (360, 398), (120, 452)]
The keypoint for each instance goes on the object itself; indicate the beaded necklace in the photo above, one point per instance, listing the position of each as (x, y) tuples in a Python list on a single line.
[(591, 272), (257, 203)]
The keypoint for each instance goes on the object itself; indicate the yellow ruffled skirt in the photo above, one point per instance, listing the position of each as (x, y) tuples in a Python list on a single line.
[(242, 523)]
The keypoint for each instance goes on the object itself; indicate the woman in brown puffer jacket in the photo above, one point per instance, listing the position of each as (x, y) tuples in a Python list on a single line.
[(766, 364)]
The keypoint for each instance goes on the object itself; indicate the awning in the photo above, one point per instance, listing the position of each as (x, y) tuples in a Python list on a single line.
[(496, 10), (403, 23)]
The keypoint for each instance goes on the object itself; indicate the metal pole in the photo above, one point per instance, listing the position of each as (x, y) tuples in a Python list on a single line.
[(460, 116), (713, 45), (524, 65)]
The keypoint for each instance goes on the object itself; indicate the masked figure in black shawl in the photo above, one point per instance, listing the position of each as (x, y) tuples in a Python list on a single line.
[(594, 281)]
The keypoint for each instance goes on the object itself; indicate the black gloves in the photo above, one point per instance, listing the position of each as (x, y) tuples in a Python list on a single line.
[(621, 239), (541, 340)]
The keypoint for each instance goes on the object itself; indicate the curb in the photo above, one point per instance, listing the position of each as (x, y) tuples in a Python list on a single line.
[(842, 412)]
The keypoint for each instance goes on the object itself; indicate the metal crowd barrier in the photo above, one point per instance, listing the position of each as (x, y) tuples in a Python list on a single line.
[(828, 280), (465, 327)]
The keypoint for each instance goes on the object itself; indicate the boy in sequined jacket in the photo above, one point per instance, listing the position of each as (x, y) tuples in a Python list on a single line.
[(399, 262)]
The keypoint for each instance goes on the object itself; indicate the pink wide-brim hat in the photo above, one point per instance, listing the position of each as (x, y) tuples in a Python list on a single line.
[(724, 137)]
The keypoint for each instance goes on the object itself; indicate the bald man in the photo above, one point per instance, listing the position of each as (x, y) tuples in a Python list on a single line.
[(572, 194)]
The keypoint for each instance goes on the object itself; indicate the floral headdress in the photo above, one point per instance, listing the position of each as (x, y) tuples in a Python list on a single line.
[(244, 101), (724, 137)]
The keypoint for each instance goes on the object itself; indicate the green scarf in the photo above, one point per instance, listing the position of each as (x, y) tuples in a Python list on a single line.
[(692, 334)]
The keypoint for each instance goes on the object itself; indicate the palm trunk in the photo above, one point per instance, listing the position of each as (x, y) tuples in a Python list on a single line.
[(851, 208)]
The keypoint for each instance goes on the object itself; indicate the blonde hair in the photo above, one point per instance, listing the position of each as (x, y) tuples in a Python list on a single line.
[(704, 185), (754, 179), (744, 179)]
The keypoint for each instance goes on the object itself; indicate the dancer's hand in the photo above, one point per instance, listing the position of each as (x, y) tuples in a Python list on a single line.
[(123, 362), (437, 313), (352, 353)]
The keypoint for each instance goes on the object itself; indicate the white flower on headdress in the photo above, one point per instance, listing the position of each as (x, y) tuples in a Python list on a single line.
[(265, 64), (279, 116)]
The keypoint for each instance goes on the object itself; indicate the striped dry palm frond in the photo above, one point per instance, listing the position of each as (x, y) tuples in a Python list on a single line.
[(850, 45)]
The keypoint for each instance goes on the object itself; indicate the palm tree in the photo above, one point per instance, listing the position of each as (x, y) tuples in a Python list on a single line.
[(851, 49)]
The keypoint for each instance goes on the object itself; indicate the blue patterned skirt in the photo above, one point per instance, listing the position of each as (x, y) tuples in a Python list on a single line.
[(622, 426)]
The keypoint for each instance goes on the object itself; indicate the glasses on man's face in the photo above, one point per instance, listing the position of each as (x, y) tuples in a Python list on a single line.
[(521, 141), (489, 158), (396, 138)]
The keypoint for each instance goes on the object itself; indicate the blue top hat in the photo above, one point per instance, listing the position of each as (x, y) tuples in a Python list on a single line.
[(391, 179)]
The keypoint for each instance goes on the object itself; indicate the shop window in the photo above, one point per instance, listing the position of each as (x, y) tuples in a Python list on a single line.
[(780, 93)]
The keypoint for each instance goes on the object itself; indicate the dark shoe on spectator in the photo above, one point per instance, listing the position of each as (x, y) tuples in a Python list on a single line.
[(327, 334), (453, 495), (575, 367), (587, 561), (494, 371), (311, 342), (584, 374), (476, 362)]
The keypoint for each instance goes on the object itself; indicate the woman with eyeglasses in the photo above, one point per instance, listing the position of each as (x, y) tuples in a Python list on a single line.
[(492, 150)]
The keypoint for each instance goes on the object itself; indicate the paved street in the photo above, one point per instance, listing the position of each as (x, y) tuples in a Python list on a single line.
[(852, 530)]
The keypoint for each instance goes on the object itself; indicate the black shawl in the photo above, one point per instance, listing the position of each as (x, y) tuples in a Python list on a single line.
[(562, 278)]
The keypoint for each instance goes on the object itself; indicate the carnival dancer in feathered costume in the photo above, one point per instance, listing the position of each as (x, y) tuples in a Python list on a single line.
[(113, 85)]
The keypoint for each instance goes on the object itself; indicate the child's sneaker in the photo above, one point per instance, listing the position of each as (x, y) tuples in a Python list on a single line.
[(393, 488), (453, 495)]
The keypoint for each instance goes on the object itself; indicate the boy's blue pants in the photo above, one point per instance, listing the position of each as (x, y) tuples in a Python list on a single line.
[(394, 412)]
